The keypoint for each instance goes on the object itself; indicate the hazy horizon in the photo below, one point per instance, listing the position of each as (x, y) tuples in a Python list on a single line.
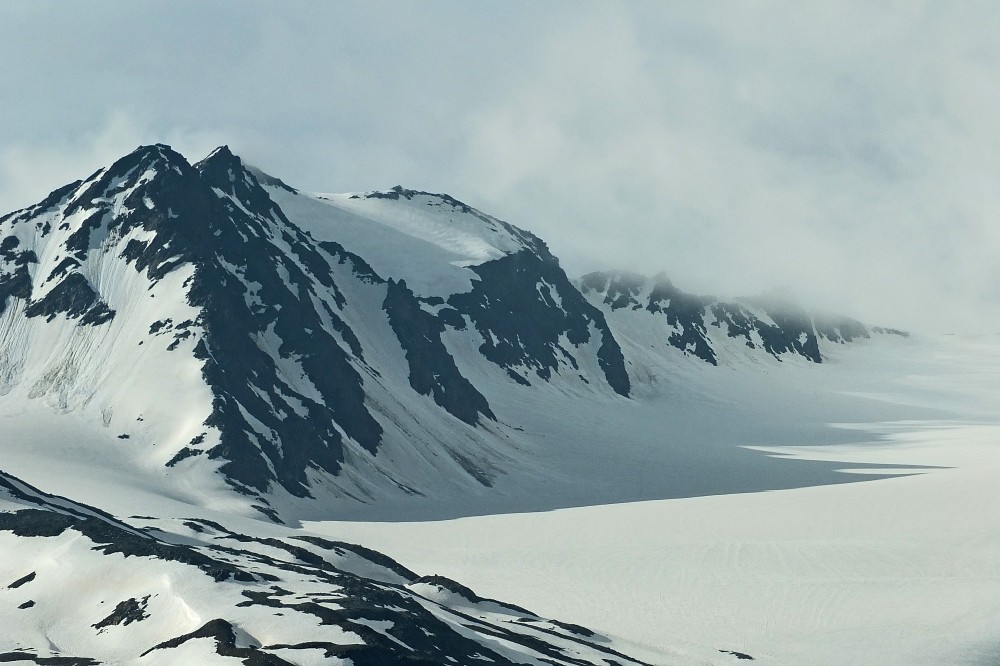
[(843, 152)]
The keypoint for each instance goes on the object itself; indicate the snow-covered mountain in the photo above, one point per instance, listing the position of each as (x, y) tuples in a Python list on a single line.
[(200, 348), (223, 335), (285, 354), (171, 338)]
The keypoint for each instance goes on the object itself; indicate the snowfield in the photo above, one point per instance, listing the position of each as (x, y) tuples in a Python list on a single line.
[(426, 239), (899, 570)]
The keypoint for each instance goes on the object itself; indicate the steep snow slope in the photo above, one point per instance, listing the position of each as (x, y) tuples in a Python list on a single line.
[(429, 240), (428, 268)]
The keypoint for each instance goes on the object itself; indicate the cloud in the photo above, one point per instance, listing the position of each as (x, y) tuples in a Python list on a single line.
[(847, 150), (848, 153)]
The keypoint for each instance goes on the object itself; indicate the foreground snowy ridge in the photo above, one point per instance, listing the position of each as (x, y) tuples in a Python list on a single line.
[(192, 591)]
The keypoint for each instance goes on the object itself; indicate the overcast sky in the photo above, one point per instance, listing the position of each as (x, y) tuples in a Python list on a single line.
[(846, 151)]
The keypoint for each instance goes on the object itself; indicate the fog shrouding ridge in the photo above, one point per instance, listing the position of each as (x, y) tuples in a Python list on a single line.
[(845, 152)]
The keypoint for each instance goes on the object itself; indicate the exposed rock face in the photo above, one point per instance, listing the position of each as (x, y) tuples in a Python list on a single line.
[(524, 307), (257, 283), (432, 368)]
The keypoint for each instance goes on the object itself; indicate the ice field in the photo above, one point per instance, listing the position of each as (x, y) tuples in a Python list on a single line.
[(899, 570)]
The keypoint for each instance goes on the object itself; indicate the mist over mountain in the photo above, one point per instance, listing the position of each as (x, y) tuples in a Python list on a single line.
[(737, 149)]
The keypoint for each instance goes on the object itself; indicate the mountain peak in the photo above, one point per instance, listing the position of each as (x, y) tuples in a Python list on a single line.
[(150, 154), (222, 158), (704, 326), (325, 329), (225, 172), (222, 167)]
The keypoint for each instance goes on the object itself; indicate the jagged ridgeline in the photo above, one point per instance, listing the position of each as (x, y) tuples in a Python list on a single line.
[(184, 308), (704, 325)]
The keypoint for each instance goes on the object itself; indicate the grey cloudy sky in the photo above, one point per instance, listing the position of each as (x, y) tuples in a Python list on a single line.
[(847, 151)]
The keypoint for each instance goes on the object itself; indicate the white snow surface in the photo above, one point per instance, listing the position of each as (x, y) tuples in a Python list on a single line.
[(424, 239), (902, 570)]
